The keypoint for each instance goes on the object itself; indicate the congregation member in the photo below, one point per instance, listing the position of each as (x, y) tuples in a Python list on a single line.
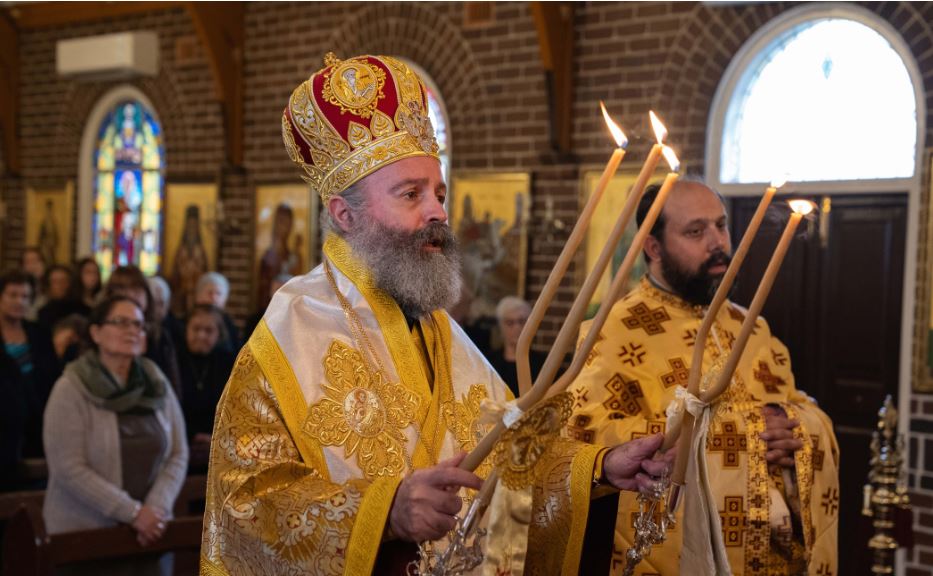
[(25, 377), (88, 283), (511, 314), (213, 289), (57, 284), (115, 441), (205, 361), (159, 345), (276, 283), (33, 263)]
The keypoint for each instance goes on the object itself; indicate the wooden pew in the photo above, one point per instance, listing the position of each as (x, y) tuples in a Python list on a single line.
[(28, 550), (10, 502)]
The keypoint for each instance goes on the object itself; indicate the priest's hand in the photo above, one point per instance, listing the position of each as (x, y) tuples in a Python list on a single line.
[(631, 466), (426, 502), (779, 434)]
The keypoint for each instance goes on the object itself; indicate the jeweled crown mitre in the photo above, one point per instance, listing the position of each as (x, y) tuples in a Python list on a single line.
[(353, 117)]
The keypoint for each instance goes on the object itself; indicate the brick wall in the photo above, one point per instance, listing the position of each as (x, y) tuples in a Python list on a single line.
[(635, 56)]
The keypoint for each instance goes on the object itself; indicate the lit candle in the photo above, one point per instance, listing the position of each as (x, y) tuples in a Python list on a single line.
[(522, 364), (571, 325), (800, 209), (696, 366), (620, 279)]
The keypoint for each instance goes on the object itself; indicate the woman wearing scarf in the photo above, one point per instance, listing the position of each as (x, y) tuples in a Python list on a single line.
[(115, 440)]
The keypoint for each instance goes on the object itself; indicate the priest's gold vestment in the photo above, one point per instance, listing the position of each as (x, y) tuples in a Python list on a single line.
[(318, 424), (642, 355)]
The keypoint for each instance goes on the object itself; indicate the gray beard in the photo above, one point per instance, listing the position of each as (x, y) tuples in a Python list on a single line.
[(419, 281)]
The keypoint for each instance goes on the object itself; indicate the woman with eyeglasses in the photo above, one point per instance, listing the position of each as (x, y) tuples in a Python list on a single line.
[(115, 440)]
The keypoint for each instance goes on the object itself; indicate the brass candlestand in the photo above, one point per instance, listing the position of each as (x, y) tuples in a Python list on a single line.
[(886, 489)]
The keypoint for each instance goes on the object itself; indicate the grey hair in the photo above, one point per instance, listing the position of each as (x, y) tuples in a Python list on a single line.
[(213, 279), (356, 200), (158, 284), (510, 303)]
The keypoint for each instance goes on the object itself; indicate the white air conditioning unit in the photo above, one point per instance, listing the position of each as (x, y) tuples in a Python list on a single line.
[(125, 54)]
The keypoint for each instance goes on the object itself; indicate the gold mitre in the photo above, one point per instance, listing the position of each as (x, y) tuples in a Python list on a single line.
[(353, 117)]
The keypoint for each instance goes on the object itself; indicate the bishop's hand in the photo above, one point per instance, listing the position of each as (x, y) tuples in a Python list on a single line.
[(632, 465), (426, 502)]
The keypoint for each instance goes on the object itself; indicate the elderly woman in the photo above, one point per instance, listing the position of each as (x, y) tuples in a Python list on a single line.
[(213, 289), (512, 313), (115, 439), (205, 363)]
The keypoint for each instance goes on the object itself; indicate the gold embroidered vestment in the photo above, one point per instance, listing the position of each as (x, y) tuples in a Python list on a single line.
[(643, 354), (316, 429)]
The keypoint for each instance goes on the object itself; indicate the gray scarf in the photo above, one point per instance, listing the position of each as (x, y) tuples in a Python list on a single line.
[(144, 391)]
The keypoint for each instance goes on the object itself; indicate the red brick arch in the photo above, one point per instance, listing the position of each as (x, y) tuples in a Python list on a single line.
[(430, 39)]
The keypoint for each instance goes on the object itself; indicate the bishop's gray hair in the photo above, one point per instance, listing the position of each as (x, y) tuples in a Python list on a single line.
[(356, 200)]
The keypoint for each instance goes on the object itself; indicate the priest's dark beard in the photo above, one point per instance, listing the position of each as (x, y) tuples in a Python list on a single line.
[(418, 280), (696, 288)]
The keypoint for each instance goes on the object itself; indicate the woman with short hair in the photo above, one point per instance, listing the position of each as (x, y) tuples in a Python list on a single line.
[(114, 440)]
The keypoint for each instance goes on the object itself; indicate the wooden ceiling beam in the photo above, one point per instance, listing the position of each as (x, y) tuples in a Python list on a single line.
[(554, 22), (9, 95), (220, 27), (30, 15)]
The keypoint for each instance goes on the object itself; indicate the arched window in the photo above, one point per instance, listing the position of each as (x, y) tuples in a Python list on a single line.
[(438, 114), (127, 188), (824, 95)]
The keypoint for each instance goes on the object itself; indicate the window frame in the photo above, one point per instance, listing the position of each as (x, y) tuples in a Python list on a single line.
[(757, 48), (86, 168)]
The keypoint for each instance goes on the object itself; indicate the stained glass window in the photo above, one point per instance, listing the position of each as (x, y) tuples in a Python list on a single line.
[(128, 161), (830, 99)]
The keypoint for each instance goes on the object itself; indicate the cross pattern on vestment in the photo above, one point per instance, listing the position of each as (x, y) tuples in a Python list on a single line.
[(632, 354), (652, 427), (771, 381), (739, 316), (730, 442), (830, 501), (824, 570), (734, 521), (690, 337), (779, 358), (624, 395), (580, 397), (817, 453), (648, 319), (577, 428), (679, 374)]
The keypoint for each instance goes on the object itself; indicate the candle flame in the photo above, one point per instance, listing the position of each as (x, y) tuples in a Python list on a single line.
[(779, 181), (671, 158), (617, 134), (803, 207), (660, 131)]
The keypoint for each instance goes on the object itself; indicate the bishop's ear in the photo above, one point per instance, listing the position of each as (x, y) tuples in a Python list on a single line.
[(340, 212)]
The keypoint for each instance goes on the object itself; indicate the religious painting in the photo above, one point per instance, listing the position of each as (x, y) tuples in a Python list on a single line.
[(285, 234), (128, 164), (604, 220), (49, 214), (923, 345), (489, 213), (190, 239)]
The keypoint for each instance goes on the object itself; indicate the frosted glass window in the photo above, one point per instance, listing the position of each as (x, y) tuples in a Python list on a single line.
[(829, 100)]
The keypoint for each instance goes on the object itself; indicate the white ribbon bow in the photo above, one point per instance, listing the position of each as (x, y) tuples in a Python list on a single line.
[(492, 411)]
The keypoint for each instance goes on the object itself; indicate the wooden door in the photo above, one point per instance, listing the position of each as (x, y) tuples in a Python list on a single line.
[(836, 304)]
